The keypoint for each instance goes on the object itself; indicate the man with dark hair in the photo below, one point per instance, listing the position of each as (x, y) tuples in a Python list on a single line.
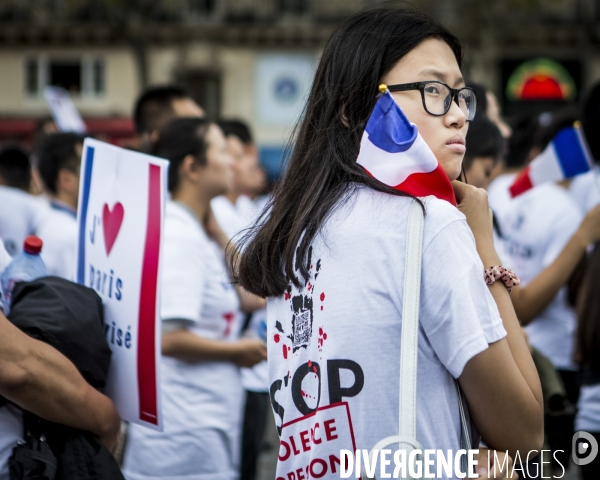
[(15, 170), (23, 212), (585, 188), (238, 129), (44, 126), (159, 105), (59, 160)]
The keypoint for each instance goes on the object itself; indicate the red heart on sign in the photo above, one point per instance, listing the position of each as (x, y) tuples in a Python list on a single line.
[(111, 224)]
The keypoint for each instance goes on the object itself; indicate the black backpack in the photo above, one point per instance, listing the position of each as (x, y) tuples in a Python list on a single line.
[(69, 317)]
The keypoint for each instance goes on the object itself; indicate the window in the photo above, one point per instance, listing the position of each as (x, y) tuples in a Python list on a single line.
[(83, 77), (65, 74), (204, 87)]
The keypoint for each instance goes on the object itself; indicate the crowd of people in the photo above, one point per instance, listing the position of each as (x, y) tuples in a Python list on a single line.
[(214, 355), (325, 251)]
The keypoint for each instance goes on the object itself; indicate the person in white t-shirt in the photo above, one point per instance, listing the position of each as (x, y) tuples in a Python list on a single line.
[(59, 160), (20, 217), (585, 188), (235, 212), (15, 170), (38, 378), (330, 256), (588, 356), (156, 107), (485, 148), (545, 238), (202, 394), (26, 210)]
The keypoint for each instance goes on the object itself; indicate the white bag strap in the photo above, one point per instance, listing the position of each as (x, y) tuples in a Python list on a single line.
[(409, 341), (410, 323)]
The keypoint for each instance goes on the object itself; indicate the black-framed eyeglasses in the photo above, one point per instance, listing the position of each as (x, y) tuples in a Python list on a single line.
[(437, 97)]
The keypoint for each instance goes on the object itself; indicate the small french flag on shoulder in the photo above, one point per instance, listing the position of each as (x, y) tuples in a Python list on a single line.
[(566, 156), (393, 152)]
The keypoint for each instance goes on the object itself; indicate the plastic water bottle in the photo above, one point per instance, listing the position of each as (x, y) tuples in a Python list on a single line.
[(25, 267)]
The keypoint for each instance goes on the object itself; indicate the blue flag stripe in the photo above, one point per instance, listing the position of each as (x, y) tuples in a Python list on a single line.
[(87, 180), (388, 128), (571, 154)]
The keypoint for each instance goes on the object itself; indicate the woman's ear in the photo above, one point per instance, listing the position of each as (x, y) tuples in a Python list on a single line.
[(189, 168)]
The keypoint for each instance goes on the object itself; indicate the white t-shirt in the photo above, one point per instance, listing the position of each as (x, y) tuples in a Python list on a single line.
[(201, 401), (234, 219), (499, 196), (58, 231), (334, 344), (588, 409), (5, 258), (11, 418), (19, 217), (585, 189), (536, 226)]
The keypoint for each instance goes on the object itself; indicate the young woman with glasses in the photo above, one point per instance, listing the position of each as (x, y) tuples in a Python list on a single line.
[(330, 257)]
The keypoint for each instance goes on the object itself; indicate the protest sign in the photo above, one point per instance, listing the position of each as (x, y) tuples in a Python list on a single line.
[(63, 110), (121, 210)]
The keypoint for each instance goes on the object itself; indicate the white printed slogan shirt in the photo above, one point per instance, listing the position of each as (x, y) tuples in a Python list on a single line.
[(334, 343)]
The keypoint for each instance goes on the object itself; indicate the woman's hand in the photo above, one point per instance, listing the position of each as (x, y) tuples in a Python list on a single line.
[(473, 203), (249, 351)]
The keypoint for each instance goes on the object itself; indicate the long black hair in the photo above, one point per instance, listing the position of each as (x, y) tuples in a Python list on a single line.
[(322, 170)]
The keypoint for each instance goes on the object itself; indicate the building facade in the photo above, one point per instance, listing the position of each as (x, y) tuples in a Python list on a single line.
[(254, 59)]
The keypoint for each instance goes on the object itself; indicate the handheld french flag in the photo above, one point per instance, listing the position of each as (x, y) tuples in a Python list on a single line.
[(393, 151), (567, 155)]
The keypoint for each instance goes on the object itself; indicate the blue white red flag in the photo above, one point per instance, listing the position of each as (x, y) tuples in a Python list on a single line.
[(566, 156), (393, 152)]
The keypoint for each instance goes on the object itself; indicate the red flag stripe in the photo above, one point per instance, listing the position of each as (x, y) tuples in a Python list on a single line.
[(434, 183), (521, 184)]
